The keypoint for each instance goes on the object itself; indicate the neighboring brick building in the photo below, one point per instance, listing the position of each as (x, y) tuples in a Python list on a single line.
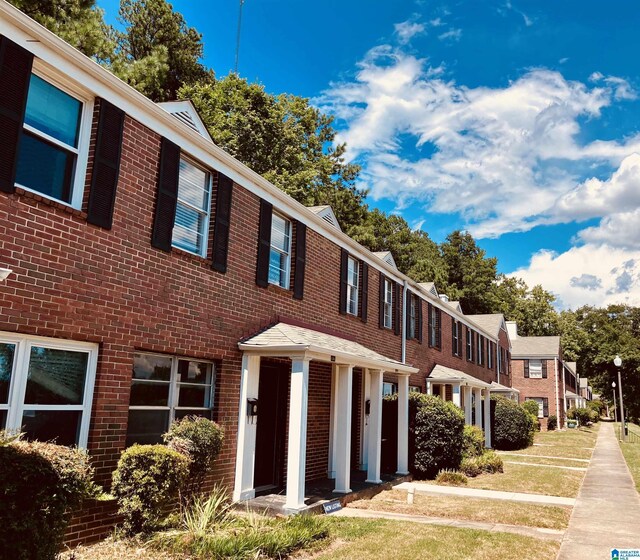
[(539, 373), (155, 276)]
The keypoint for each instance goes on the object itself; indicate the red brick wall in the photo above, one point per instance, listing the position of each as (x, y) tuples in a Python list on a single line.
[(95, 521), (534, 387)]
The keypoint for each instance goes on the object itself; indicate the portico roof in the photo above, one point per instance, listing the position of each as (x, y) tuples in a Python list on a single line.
[(498, 388), (449, 375), (283, 339), (571, 395)]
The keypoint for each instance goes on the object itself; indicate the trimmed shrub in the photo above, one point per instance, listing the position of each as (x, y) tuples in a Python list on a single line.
[(531, 407), (594, 416), (471, 466), (451, 478), (40, 483), (552, 422), (473, 441), (582, 415), (436, 428), (200, 439), (513, 426), (491, 462), (146, 482)]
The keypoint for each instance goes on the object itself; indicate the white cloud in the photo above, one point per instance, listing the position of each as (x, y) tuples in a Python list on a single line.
[(619, 230), (406, 30), (451, 35), (500, 157), (591, 274)]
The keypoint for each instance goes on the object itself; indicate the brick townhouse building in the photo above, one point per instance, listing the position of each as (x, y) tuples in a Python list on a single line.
[(154, 276)]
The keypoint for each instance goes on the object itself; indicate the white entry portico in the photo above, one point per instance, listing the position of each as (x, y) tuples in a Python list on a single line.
[(301, 346)]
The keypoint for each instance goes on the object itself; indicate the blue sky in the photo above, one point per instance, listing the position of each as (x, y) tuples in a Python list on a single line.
[(515, 120)]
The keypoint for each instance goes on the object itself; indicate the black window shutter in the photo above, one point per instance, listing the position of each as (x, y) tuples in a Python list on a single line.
[(344, 263), (264, 243), (364, 291), (167, 196), (526, 368), (460, 340), (429, 323), (545, 407), (106, 165), (438, 328), (224, 193), (397, 308), (407, 315), (454, 342), (15, 73), (301, 260), (419, 318), (544, 369), (381, 302)]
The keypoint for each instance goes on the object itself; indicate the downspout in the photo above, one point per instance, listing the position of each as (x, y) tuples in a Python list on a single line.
[(404, 321), (498, 356), (555, 367)]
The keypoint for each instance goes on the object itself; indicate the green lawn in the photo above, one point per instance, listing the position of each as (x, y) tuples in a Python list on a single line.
[(564, 462), (364, 539), (472, 509), (631, 452), (557, 450), (583, 437)]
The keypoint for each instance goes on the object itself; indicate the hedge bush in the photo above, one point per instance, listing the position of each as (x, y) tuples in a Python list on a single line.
[(514, 427), (552, 422), (146, 482), (473, 441), (582, 415), (40, 484), (200, 439), (451, 478), (437, 430), (488, 462), (531, 407)]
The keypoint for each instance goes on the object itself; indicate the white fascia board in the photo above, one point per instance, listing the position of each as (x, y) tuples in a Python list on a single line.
[(90, 76)]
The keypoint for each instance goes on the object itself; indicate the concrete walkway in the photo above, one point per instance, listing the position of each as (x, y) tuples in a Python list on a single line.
[(546, 534), (607, 511), (539, 499)]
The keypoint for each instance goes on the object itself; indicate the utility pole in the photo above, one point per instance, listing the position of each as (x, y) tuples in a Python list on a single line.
[(238, 36)]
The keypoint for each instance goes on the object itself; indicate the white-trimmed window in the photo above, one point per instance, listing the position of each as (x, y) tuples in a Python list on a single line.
[(535, 369), (480, 350), (166, 388), (46, 387), (280, 255), (412, 316), (415, 389), (54, 145), (353, 270), (490, 355), (193, 207), (389, 389), (540, 402), (470, 335), (388, 304)]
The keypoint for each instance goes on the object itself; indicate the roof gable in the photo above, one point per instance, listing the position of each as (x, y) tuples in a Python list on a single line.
[(326, 213), (186, 113), (429, 287), (387, 257)]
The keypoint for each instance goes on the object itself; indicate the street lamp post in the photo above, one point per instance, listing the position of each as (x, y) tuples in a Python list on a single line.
[(615, 406), (618, 362)]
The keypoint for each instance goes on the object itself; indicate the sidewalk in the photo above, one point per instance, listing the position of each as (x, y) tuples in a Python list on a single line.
[(607, 510)]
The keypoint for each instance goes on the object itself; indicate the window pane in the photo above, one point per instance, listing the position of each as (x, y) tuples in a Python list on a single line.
[(194, 396), (278, 268), (194, 185), (52, 111), (146, 366), (188, 228), (49, 425), (202, 413), (352, 273), (280, 233), (7, 352), (45, 168), (147, 426), (149, 394), (194, 372), (56, 376), (3, 419)]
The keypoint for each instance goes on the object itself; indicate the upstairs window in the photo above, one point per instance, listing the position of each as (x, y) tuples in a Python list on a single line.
[(480, 350), (280, 254), (456, 338), (353, 267), (164, 389), (469, 345), (490, 355), (388, 304), (191, 226), (412, 317), (434, 326), (50, 161), (535, 369)]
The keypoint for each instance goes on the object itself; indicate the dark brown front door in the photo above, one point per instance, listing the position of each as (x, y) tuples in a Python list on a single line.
[(272, 420)]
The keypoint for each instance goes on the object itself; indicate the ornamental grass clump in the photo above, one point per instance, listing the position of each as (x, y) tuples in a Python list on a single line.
[(448, 477), (40, 485)]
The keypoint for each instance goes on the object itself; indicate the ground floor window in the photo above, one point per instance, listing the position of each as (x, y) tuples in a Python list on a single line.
[(415, 389), (46, 387), (167, 388), (543, 405), (389, 389)]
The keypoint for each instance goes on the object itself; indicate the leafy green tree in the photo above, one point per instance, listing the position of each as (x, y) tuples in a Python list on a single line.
[(157, 52), (284, 139), (471, 275), (79, 22)]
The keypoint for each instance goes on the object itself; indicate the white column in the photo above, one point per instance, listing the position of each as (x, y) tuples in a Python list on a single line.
[(297, 452), (429, 388), (467, 406), (478, 395), (403, 424), (246, 444), (455, 394), (487, 419), (365, 420), (375, 428), (343, 434), (333, 424)]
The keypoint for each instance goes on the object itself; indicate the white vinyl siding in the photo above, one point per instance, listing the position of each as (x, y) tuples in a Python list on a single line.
[(280, 254)]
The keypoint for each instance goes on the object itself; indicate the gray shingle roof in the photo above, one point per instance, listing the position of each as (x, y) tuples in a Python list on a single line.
[(531, 346), (490, 322), (447, 374)]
